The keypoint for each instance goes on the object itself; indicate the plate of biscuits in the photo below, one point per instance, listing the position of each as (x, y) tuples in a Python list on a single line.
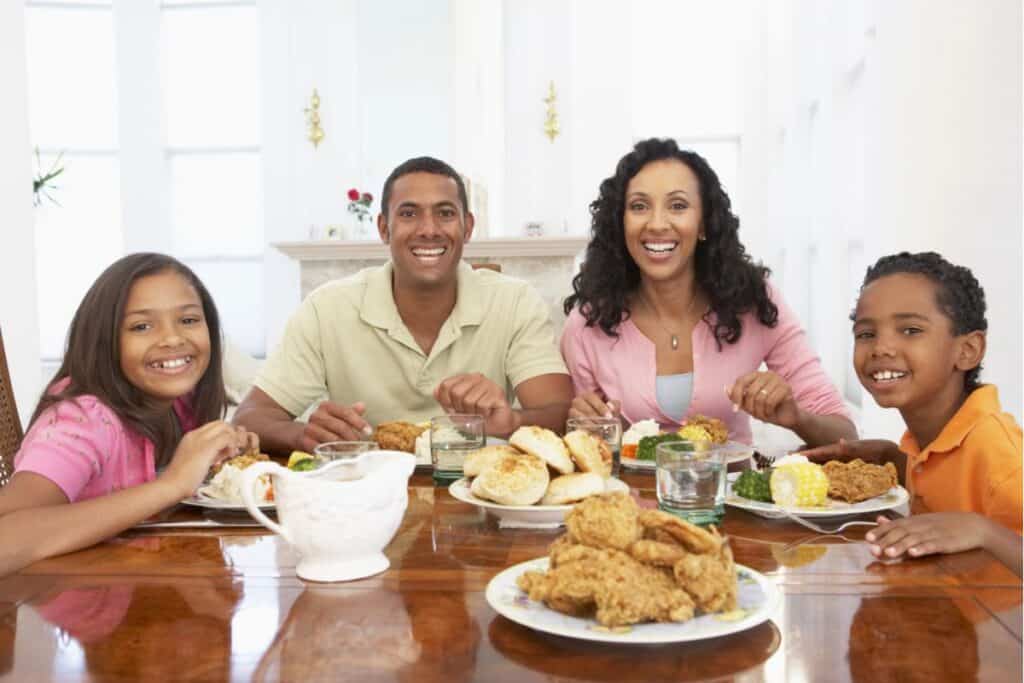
[(538, 476)]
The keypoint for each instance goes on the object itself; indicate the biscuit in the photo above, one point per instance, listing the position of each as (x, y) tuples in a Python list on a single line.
[(570, 488), (477, 461), (589, 452), (544, 444), (518, 479)]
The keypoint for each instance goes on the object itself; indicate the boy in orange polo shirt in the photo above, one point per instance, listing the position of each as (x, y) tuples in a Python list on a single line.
[(919, 339)]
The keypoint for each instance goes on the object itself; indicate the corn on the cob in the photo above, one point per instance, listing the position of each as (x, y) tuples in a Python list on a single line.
[(801, 484)]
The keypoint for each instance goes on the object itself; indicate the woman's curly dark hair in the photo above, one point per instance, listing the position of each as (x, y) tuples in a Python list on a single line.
[(957, 293), (725, 272)]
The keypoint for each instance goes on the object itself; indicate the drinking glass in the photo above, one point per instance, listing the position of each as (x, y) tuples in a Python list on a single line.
[(451, 438), (338, 450), (608, 429), (691, 482)]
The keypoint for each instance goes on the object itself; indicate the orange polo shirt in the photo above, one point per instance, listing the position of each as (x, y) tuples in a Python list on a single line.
[(974, 465)]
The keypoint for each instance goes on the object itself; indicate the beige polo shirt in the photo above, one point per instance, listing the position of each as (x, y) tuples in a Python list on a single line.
[(348, 341)]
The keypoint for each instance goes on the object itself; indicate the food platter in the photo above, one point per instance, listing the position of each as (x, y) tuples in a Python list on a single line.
[(522, 514), (894, 497), (757, 597), (735, 452)]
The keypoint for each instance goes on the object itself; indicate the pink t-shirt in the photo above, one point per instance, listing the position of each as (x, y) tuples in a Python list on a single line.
[(87, 450), (624, 368)]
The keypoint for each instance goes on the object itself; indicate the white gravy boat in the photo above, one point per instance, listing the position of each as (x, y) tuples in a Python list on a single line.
[(339, 517)]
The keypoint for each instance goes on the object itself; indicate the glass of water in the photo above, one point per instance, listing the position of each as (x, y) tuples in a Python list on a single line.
[(608, 429), (339, 450), (451, 438), (691, 482)]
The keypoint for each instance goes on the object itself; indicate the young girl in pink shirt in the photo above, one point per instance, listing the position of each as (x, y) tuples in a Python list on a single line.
[(116, 436)]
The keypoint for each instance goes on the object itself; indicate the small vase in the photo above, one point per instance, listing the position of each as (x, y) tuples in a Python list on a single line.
[(363, 228)]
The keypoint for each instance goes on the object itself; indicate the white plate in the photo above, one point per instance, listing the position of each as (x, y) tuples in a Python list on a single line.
[(202, 500), (736, 452), (895, 497), (757, 598), (526, 514)]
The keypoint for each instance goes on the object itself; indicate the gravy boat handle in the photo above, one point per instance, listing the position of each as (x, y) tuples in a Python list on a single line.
[(249, 475)]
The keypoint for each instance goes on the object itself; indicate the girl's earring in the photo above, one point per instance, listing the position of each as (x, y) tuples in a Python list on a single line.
[(701, 237)]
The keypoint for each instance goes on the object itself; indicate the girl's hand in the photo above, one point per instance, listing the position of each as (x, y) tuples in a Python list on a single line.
[(937, 532), (593, 404), (765, 396), (199, 450)]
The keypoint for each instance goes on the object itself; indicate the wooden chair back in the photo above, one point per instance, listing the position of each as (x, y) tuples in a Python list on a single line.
[(10, 424)]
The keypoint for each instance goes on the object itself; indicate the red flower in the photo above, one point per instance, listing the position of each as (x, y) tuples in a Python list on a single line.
[(367, 197), (353, 194)]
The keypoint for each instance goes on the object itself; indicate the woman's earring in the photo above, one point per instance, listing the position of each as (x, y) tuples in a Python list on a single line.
[(701, 238)]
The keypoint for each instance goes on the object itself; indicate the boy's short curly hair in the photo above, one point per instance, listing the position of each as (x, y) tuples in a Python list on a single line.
[(958, 293)]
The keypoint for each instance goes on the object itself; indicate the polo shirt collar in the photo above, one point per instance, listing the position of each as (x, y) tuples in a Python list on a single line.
[(981, 402), (379, 310)]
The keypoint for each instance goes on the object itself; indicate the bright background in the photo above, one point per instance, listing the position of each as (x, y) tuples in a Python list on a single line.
[(843, 130)]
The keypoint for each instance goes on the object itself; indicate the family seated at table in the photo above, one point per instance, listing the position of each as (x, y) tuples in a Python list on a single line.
[(130, 424)]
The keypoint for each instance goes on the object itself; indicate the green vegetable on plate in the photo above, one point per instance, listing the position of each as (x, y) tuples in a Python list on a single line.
[(754, 485)]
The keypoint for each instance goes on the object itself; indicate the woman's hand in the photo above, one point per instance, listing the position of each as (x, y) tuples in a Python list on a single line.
[(765, 396), (199, 450), (928, 534), (593, 404)]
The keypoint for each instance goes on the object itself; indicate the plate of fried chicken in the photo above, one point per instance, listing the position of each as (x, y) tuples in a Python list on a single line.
[(625, 575)]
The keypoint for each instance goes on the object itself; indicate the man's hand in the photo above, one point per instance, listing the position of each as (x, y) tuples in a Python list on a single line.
[(474, 394), (765, 396), (335, 422), (593, 404)]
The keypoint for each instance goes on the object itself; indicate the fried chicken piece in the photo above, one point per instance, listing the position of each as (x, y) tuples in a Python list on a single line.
[(657, 553), (715, 427), (397, 436), (610, 585), (857, 480), (691, 536), (710, 579), (240, 461), (605, 521)]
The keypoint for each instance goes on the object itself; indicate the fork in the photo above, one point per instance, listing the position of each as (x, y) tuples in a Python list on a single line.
[(814, 527)]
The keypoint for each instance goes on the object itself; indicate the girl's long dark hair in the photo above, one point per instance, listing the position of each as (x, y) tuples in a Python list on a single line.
[(733, 283), (92, 357)]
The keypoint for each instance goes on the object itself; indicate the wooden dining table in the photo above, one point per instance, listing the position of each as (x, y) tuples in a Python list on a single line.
[(224, 603)]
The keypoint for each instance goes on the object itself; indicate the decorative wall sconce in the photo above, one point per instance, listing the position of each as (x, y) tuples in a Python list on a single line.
[(551, 128), (316, 133)]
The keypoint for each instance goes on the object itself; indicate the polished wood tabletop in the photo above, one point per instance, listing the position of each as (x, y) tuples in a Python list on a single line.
[(225, 604)]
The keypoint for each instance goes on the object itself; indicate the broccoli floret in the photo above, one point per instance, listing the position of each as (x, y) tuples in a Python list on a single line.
[(645, 451), (754, 485)]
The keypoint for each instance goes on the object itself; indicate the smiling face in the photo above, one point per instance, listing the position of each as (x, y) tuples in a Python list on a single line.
[(426, 227), (663, 218), (163, 339), (905, 352)]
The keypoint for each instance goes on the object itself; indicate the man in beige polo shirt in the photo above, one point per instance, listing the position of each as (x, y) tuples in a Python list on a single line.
[(422, 335)]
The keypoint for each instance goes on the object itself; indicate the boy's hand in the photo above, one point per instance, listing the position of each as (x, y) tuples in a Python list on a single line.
[(593, 404), (765, 396), (334, 422), (928, 534), (873, 451), (199, 450)]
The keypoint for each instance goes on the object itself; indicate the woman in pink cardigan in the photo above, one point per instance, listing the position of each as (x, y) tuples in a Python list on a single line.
[(669, 317)]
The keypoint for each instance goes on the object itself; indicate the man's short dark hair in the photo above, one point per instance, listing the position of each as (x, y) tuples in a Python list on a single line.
[(422, 165)]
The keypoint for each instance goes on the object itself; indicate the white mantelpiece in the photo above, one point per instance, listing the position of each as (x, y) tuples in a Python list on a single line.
[(548, 263)]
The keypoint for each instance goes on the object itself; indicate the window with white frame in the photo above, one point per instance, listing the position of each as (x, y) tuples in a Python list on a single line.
[(161, 145)]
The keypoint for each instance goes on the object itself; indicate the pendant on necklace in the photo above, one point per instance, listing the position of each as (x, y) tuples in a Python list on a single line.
[(675, 342)]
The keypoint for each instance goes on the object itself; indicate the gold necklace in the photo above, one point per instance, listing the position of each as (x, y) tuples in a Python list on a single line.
[(673, 337)]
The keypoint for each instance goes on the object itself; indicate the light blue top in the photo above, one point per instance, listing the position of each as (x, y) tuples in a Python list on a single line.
[(674, 394)]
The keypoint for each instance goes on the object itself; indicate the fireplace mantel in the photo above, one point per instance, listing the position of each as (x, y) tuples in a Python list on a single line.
[(548, 263)]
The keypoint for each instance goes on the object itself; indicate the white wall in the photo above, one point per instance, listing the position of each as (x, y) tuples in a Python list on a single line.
[(18, 317), (871, 127)]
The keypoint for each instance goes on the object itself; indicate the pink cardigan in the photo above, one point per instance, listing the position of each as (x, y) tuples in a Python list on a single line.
[(84, 448), (624, 368)]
